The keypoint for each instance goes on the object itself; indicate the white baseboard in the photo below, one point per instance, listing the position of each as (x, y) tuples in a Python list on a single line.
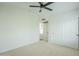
[(18, 46)]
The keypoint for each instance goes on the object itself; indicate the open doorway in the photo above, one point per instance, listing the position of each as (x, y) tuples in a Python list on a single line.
[(44, 31)]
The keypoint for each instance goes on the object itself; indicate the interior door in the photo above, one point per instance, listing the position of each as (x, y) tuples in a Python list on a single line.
[(70, 33), (45, 31)]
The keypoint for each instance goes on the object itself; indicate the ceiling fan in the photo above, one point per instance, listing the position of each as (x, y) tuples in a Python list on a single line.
[(42, 5)]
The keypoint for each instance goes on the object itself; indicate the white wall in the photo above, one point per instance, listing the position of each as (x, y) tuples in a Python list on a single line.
[(63, 25), (18, 27)]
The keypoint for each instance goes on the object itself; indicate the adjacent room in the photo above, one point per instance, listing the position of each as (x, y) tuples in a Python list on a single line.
[(39, 28)]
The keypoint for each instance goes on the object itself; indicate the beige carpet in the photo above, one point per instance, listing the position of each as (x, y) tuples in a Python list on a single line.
[(42, 49)]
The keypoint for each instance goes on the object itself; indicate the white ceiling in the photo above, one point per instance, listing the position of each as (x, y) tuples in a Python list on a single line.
[(58, 7)]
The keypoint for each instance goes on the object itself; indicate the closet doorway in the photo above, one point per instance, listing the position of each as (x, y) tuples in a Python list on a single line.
[(44, 31)]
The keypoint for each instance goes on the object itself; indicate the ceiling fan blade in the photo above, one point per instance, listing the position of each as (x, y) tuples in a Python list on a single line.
[(48, 3), (40, 3), (48, 8), (33, 6)]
